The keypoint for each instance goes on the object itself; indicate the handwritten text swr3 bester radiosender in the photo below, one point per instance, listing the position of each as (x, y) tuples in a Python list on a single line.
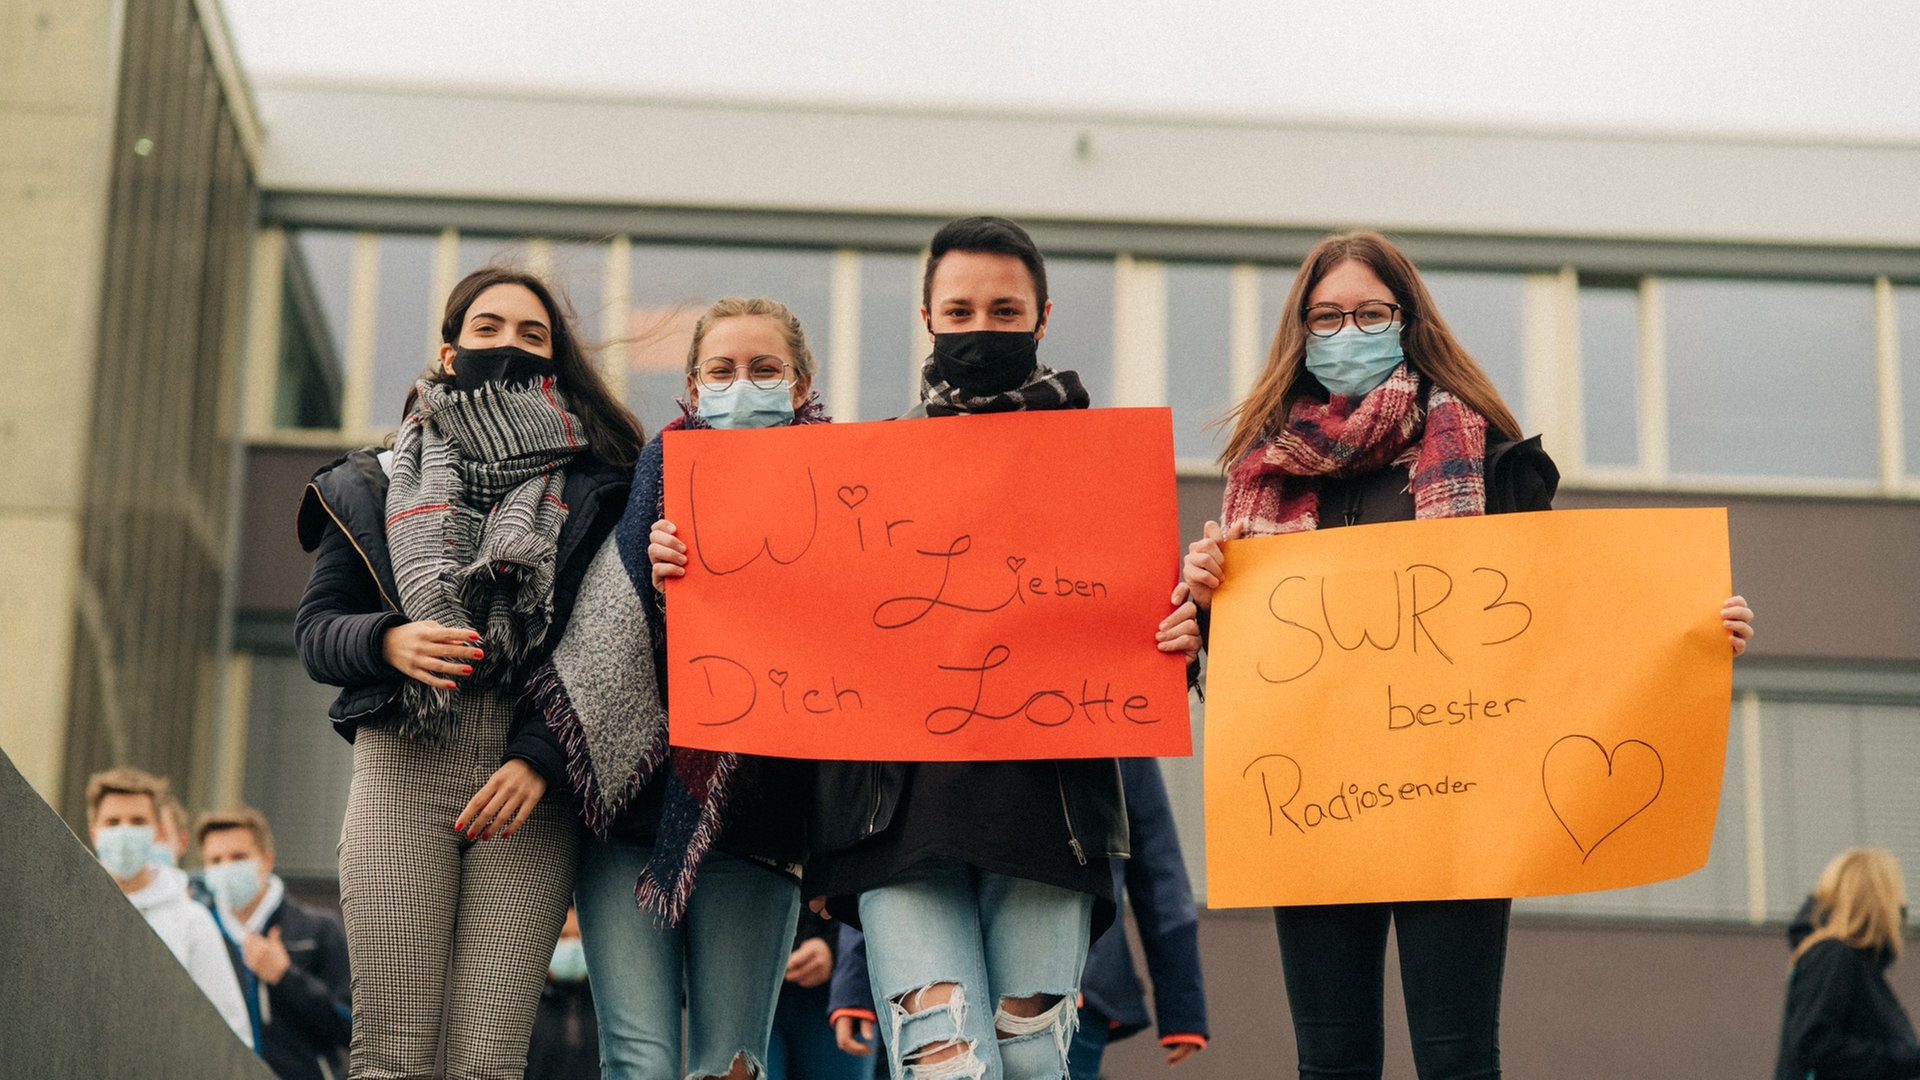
[(954, 577), (1415, 610)]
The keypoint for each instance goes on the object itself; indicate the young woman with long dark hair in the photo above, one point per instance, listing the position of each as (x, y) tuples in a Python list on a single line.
[(444, 569)]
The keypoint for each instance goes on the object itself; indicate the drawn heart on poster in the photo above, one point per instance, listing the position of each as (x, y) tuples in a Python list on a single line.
[(852, 495), (1594, 791)]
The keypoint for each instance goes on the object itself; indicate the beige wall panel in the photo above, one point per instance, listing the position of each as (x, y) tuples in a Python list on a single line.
[(56, 54), (41, 554), (396, 141), (53, 205)]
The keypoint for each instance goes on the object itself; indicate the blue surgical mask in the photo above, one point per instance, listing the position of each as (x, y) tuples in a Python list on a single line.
[(1350, 363), (744, 405), (164, 855), (124, 850), (235, 884), (569, 960)]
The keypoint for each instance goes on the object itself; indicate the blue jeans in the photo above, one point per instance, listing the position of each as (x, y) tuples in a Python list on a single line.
[(724, 962), (1089, 1048), (802, 1047), (990, 936)]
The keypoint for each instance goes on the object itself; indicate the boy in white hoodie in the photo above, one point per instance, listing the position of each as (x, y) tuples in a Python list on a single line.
[(123, 808)]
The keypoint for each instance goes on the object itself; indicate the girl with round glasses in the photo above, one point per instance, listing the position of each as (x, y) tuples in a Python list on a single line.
[(1370, 410), (689, 882)]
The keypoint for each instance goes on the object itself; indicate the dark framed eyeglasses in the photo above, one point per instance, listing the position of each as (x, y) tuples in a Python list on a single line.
[(1372, 317)]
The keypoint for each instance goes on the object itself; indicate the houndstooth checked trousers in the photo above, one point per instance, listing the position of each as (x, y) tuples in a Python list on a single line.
[(449, 939)]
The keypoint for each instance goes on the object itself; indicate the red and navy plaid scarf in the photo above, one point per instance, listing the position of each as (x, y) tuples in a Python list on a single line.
[(1275, 487)]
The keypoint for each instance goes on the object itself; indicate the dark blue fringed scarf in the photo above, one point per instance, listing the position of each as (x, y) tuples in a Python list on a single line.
[(602, 694)]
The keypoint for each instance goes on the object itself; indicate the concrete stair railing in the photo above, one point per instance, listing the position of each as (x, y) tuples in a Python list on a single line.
[(86, 988)]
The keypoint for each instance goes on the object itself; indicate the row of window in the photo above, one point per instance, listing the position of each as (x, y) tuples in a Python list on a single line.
[(1737, 382)]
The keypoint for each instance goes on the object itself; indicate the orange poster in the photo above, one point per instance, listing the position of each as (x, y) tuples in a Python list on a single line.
[(964, 588), (1517, 705)]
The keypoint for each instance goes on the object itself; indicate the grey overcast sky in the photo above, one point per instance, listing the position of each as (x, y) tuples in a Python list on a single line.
[(1796, 67)]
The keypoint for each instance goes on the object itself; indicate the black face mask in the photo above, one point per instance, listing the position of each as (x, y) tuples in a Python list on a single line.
[(509, 365), (985, 361)]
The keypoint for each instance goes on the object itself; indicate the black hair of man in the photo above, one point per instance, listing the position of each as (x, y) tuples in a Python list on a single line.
[(993, 235)]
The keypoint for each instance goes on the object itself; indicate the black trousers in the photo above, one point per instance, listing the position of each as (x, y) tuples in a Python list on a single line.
[(1453, 955)]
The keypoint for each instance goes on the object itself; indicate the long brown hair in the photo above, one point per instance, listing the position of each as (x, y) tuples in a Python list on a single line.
[(1857, 902), (1430, 346), (612, 430)]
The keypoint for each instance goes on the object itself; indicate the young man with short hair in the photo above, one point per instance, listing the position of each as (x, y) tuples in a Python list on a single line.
[(296, 952), (123, 815)]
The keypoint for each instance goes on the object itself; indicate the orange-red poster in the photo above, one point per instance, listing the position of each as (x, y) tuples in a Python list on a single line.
[(966, 588), (1517, 705)]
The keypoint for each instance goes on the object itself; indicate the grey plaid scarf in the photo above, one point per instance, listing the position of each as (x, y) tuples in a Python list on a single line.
[(473, 527), (1044, 389)]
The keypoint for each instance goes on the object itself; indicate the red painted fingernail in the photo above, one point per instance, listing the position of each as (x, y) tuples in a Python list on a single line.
[(459, 826), (468, 670), (478, 655), (451, 685)]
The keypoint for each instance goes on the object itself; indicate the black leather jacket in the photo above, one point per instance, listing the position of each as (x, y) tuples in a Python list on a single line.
[(856, 800), (351, 600)]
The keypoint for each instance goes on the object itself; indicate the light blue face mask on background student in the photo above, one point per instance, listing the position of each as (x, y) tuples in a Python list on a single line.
[(235, 883), (124, 849), (569, 963), (744, 405), (1351, 363)]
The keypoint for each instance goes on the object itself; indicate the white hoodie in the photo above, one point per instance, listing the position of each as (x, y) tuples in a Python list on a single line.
[(189, 930)]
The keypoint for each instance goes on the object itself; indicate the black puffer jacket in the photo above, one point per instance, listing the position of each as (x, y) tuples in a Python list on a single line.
[(351, 600)]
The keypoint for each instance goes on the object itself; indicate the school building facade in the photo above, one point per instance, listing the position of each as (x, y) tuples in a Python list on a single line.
[(1688, 320)]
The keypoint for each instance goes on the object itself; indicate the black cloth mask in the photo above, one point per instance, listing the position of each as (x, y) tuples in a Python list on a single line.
[(986, 361), (510, 365)]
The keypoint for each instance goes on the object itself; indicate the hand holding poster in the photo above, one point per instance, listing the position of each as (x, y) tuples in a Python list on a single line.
[(1517, 705), (967, 588)]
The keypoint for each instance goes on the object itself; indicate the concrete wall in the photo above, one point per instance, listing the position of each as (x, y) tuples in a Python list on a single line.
[(90, 991), (58, 87)]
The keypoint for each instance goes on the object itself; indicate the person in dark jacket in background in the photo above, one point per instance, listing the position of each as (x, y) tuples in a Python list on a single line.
[(566, 1037), (1154, 881), (444, 569), (1370, 410), (296, 953), (1843, 1021)]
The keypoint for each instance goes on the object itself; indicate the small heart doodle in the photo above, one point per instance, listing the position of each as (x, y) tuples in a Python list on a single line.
[(776, 677), (1594, 791), (852, 495), (1015, 562)]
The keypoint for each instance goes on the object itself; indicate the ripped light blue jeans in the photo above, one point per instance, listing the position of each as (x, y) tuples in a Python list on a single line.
[(992, 938)]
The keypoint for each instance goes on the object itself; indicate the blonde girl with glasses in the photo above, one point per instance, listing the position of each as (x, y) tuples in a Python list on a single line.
[(689, 884)]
